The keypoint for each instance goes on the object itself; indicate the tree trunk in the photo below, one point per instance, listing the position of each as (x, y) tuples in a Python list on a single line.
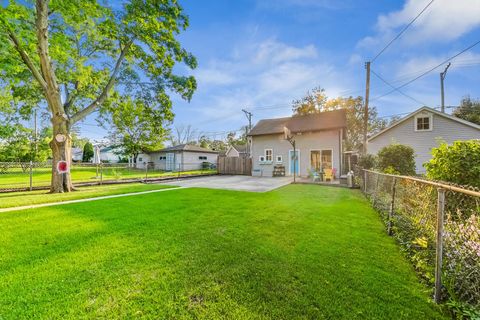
[(61, 151)]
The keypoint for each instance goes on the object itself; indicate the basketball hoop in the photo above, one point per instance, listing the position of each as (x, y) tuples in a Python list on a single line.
[(287, 135)]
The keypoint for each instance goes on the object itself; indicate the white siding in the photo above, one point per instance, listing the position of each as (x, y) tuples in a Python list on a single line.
[(184, 160), (444, 130), (232, 152), (321, 140)]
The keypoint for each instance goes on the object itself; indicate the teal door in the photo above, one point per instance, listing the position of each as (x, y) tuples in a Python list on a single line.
[(294, 162)]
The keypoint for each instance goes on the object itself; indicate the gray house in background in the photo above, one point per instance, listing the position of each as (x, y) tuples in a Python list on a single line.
[(237, 150), (183, 157), (319, 139), (423, 130)]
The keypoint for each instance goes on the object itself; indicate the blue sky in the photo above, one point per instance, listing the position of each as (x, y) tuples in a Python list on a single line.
[(258, 53)]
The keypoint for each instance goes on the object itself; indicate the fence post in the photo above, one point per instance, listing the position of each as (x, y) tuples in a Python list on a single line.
[(439, 244), (375, 191), (146, 171), (101, 173), (31, 175), (365, 182), (392, 208)]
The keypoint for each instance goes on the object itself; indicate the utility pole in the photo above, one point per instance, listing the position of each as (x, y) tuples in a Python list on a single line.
[(365, 116), (442, 78), (249, 116)]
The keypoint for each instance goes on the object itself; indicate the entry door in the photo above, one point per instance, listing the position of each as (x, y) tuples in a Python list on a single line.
[(170, 162), (294, 162)]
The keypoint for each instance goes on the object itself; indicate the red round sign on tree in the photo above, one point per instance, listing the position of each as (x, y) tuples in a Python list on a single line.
[(62, 166)]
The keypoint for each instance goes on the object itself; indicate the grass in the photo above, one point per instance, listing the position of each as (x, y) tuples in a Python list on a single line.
[(301, 251), (17, 199), (42, 176)]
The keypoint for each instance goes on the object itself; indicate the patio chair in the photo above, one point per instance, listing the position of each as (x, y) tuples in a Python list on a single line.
[(315, 176), (328, 174)]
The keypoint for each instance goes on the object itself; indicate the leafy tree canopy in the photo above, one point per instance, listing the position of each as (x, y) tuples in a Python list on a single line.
[(469, 110), (75, 56), (138, 125), (88, 152)]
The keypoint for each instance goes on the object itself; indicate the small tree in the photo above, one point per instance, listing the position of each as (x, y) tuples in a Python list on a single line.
[(457, 163), (397, 158), (87, 152), (469, 110)]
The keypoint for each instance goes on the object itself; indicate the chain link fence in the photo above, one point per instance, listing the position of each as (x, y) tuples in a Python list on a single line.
[(438, 227), (21, 176)]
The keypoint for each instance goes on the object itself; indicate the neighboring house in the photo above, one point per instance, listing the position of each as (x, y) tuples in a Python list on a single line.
[(423, 130), (77, 154), (107, 154), (318, 138), (237, 150), (183, 157)]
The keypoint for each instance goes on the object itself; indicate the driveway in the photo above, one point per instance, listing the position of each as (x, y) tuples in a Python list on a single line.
[(240, 183)]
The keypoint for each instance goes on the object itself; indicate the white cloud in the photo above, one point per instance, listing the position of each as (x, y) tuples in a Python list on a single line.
[(260, 73), (443, 21)]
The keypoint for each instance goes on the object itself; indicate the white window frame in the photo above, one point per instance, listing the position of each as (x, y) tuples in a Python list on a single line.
[(430, 122), (202, 158), (271, 155), (261, 159), (277, 157)]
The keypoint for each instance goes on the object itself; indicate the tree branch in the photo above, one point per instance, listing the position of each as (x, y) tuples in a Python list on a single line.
[(101, 98), (52, 91), (26, 59)]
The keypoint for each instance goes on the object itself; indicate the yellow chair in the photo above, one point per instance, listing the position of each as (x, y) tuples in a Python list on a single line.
[(328, 174)]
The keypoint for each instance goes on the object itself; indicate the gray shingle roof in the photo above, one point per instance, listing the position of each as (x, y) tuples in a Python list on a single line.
[(313, 122), (241, 148)]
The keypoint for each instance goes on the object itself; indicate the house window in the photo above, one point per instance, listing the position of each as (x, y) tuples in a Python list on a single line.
[(202, 158), (321, 159), (261, 159), (279, 159), (268, 155), (162, 158), (423, 123), (140, 159)]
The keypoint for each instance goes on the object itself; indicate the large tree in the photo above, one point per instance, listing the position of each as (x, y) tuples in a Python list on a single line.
[(71, 55), (317, 101), (469, 110), (137, 125)]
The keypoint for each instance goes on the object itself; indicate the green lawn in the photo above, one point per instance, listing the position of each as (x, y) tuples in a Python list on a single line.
[(25, 198), (16, 178), (301, 251)]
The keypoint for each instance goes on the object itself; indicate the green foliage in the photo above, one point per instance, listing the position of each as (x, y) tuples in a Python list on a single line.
[(87, 152), (367, 161), (469, 110), (458, 163), (17, 143), (397, 158), (97, 52), (137, 125)]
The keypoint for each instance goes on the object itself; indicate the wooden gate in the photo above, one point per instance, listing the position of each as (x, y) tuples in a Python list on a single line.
[(234, 165)]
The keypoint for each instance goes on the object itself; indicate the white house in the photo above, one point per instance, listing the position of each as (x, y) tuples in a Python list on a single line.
[(183, 157), (423, 130), (107, 154), (318, 144)]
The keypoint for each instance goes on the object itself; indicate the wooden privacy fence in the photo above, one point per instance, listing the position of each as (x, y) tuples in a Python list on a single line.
[(234, 165)]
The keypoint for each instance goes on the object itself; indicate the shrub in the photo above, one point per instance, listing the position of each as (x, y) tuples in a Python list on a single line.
[(367, 161), (397, 158), (458, 163)]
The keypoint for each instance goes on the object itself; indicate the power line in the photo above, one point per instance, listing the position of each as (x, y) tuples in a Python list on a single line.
[(401, 92), (403, 30), (428, 71)]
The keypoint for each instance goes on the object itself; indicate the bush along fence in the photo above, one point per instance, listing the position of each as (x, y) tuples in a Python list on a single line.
[(24, 176), (438, 227)]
